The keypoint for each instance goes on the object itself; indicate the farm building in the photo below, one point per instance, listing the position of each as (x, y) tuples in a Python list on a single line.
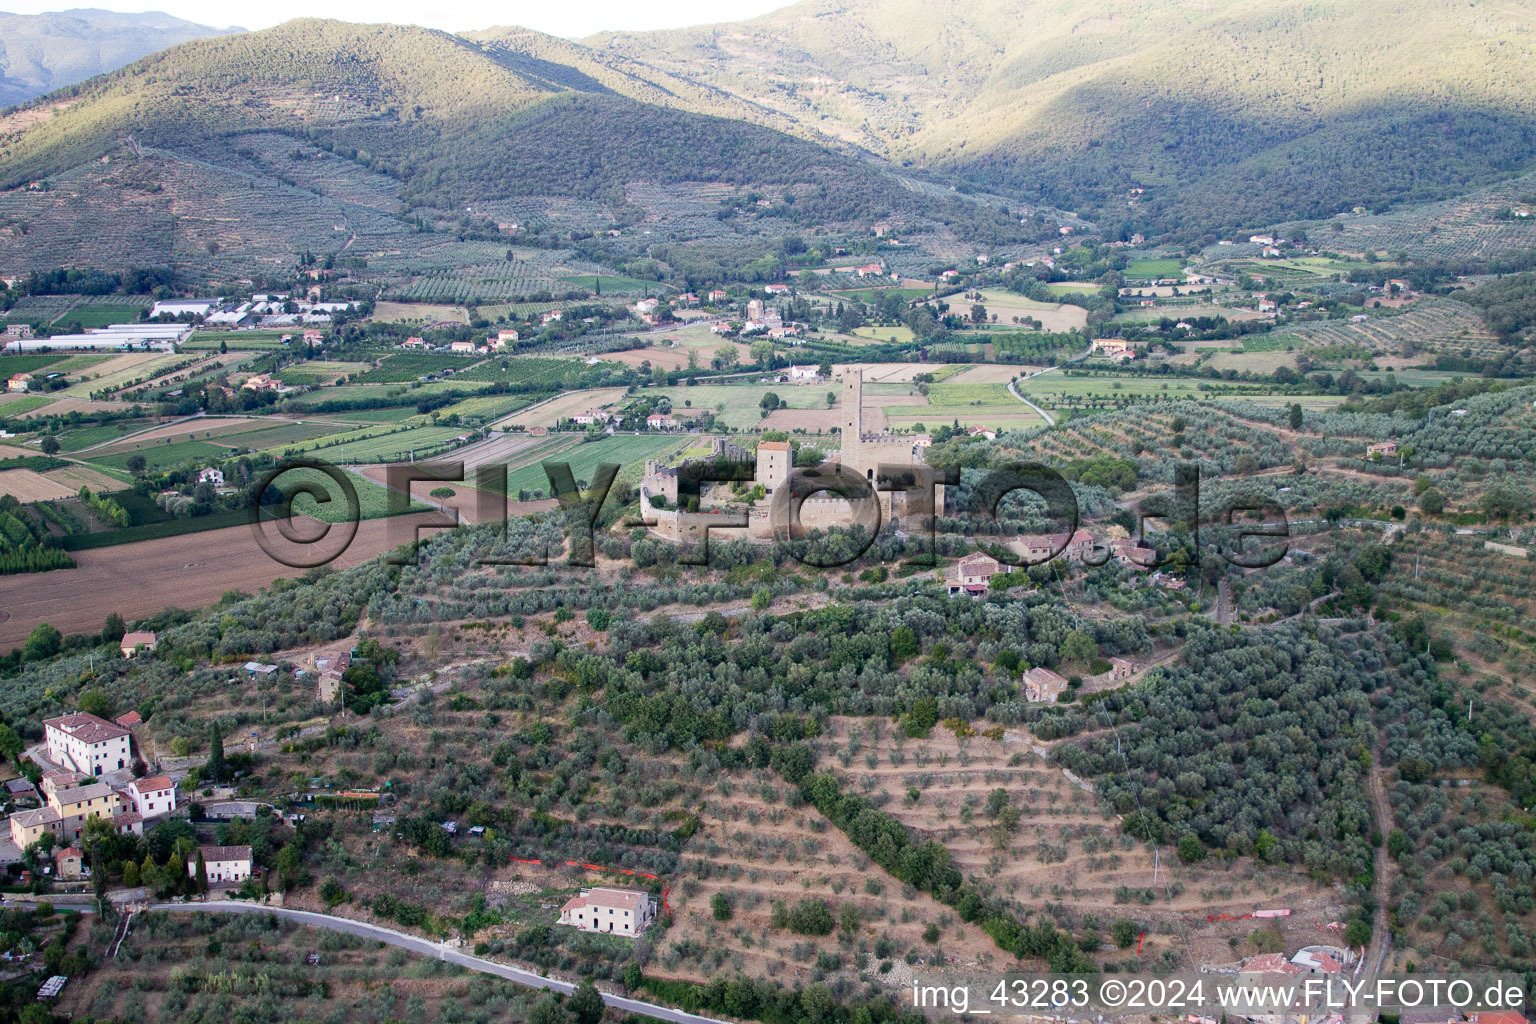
[(143, 337), (1041, 685), (972, 574), (183, 307), (69, 863), (611, 911), (1381, 449), (139, 640), (222, 864)]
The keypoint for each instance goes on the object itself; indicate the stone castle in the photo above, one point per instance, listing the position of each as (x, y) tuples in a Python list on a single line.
[(860, 452)]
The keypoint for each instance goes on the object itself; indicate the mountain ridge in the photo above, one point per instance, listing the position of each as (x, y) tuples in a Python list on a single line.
[(41, 53)]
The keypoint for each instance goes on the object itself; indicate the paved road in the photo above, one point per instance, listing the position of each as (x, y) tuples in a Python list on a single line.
[(1050, 420), (427, 947)]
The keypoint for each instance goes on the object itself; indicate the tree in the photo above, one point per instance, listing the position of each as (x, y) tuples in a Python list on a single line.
[(1078, 647), (10, 743), (548, 1011), (95, 702), (201, 872), (50, 446), (1123, 931), (1297, 416), (586, 1003), (1191, 849), (113, 629), (1357, 932), (1432, 502), (137, 464), (216, 766), (290, 866), (720, 906), (769, 402), (43, 642)]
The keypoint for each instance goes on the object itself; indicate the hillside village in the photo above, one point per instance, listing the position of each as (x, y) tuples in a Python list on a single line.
[(769, 522)]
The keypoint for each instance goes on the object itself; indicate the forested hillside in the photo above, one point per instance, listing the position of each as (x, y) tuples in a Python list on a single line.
[(1231, 114)]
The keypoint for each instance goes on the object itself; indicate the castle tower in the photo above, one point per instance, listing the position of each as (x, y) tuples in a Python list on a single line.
[(773, 464), (853, 406)]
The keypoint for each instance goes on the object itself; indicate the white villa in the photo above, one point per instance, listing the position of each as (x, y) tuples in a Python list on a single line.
[(616, 911)]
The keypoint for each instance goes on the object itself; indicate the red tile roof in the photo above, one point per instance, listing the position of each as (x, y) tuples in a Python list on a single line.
[(86, 727)]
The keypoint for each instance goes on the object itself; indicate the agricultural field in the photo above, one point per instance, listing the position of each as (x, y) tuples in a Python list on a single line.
[(1072, 287), (166, 456), (29, 363), (737, 406), (79, 475), (150, 980), (205, 427), (77, 364), (417, 313), (121, 370), (514, 369), (1453, 230), (1104, 390), (628, 450), (404, 367), (1051, 841), (318, 372), (494, 282), (94, 314), (480, 408), (897, 334), (1154, 269), (115, 578), (610, 284), (387, 444), (240, 341), (38, 310), (871, 295), (1054, 317), (548, 413), (985, 404), (29, 485)]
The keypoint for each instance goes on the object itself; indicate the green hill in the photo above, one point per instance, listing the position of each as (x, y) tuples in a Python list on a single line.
[(1229, 113), (337, 126)]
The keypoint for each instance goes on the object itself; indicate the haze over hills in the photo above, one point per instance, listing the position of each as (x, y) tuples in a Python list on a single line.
[(1228, 112), (43, 52)]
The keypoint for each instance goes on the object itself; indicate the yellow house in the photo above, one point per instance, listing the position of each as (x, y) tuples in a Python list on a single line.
[(27, 827), (94, 801)]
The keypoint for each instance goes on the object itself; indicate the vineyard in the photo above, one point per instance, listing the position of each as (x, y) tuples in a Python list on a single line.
[(524, 370), (384, 443), (237, 340), (495, 282), (403, 367)]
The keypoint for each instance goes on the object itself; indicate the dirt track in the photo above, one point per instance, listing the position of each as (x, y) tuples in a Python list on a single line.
[(137, 580)]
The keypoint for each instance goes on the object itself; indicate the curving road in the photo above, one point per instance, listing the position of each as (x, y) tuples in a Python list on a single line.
[(1050, 420), (426, 947)]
